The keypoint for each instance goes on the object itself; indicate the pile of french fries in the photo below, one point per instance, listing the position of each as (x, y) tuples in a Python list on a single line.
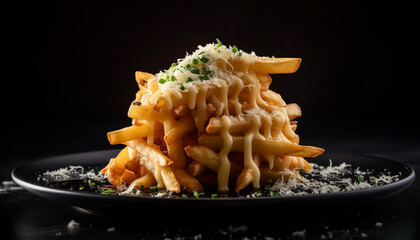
[(165, 147)]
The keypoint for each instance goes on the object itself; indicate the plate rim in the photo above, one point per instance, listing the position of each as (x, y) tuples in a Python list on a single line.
[(36, 188)]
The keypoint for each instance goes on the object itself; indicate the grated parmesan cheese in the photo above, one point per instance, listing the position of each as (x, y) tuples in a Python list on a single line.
[(331, 179), (69, 173), (200, 67)]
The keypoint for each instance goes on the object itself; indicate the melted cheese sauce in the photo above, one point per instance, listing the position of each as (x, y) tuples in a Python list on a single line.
[(248, 157), (224, 165)]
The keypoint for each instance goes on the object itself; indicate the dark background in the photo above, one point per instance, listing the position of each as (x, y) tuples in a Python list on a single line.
[(69, 71), (68, 79)]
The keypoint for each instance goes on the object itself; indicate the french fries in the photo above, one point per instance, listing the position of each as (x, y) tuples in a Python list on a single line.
[(126, 134), (149, 151), (262, 146), (223, 128), (276, 65)]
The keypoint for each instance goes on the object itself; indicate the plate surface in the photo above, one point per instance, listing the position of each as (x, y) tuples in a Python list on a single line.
[(26, 176)]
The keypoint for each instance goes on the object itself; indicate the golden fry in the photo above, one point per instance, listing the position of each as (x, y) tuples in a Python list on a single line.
[(244, 179), (149, 151), (128, 177), (195, 168), (141, 112), (293, 111), (204, 155), (181, 128), (260, 146), (127, 134), (276, 65), (176, 153), (187, 181), (144, 181), (169, 179)]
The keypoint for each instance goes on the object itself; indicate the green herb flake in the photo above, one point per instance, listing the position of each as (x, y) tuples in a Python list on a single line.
[(234, 49), (214, 195), (162, 81), (240, 54), (108, 191), (141, 187), (184, 196), (91, 183), (195, 61), (189, 79), (81, 188), (204, 59), (372, 178), (173, 78), (198, 194), (205, 77), (154, 188), (173, 65), (195, 70), (181, 86), (219, 43), (258, 194), (208, 72), (361, 178)]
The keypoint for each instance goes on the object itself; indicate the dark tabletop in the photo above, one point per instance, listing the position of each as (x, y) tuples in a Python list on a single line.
[(30, 217)]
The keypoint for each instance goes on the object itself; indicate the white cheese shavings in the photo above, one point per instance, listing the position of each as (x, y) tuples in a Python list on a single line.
[(69, 173), (200, 67), (331, 179)]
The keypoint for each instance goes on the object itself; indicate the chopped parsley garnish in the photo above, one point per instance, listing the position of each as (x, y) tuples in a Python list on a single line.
[(108, 191), (219, 43), (91, 183), (195, 67), (81, 188), (208, 72), (372, 178), (214, 195), (204, 59), (184, 196), (195, 70), (198, 194), (361, 178), (154, 188), (234, 49)]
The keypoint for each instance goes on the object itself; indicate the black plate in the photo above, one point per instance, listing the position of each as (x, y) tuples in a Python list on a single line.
[(26, 176)]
